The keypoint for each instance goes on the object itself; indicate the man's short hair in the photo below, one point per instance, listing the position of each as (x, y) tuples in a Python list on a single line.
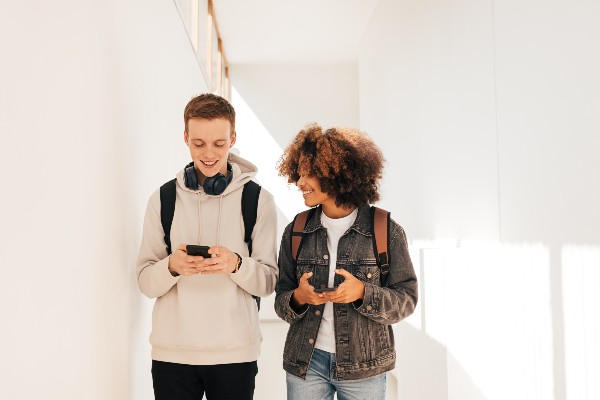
[(209, 106)]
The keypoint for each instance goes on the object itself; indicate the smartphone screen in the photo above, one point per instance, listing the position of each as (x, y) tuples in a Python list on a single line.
[(194, 250), (326, 289)]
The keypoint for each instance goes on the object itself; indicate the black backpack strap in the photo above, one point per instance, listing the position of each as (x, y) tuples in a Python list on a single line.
[(381, 230), (167, 209), (250, 195)]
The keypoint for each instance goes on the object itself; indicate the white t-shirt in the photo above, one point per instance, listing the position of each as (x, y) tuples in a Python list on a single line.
[(335, 229)]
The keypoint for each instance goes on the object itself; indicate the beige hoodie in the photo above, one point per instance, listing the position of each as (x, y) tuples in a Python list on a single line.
[(208, 319)]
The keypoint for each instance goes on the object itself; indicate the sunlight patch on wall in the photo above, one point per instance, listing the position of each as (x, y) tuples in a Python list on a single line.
[(581, 308), (256, 144)]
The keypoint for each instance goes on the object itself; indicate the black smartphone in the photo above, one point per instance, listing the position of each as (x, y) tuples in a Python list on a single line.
[(194, 250), (325, 289)]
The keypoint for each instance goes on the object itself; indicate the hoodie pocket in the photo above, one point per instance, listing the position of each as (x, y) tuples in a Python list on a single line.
[(250, 316)]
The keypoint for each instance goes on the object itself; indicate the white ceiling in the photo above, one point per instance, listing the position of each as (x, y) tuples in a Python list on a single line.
[(292, 32)]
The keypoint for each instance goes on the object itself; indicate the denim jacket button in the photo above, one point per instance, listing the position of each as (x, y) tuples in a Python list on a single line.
[(311, 341), (317, 312), (325, 257)]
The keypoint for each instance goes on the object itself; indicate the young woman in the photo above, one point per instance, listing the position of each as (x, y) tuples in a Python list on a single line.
[(339, 340)]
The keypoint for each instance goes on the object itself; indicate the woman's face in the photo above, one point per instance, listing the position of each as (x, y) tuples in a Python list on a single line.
[(311, 191)]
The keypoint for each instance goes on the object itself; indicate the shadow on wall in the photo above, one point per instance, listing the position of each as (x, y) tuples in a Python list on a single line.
[(527, 313), (423, 365)]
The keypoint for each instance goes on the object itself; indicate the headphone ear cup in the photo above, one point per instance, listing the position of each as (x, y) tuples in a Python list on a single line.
[(215, 185), (190, 177)]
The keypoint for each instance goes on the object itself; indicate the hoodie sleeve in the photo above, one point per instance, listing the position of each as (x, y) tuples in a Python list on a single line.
[(258, 273), (152, 267)]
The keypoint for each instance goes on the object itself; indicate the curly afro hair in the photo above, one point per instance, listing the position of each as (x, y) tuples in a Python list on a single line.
[(346, 162)]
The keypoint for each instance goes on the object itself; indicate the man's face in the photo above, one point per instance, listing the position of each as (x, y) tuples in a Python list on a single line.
[(209, 141)]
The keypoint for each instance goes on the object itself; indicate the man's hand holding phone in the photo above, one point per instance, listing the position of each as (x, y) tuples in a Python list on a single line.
[(185, 263), (221, 260), (192, 259), (194, 250)]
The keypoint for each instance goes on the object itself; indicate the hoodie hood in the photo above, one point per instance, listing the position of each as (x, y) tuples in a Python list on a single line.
[(242, 170)]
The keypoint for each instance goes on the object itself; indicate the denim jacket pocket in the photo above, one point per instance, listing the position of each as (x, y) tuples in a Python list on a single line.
[(319, 269), (304, 266), (366, 271)]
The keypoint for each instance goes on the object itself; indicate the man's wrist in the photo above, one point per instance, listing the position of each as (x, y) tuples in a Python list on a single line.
[(171, 270), (238, 263)]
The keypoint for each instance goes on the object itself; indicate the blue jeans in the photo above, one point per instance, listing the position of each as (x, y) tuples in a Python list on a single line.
[(321, 382)]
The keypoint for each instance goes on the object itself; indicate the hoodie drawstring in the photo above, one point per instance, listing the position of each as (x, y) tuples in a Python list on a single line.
[(219, 220)]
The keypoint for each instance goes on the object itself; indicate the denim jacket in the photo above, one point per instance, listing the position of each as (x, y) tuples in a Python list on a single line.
[(364, 338)]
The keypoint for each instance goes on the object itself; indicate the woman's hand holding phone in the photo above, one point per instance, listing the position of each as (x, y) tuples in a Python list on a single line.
[(350, 290), (306, 293), (325, 289)]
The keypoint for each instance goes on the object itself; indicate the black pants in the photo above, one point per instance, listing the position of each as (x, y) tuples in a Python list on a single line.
[(190, 382)]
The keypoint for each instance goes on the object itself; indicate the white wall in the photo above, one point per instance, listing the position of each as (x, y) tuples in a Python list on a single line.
[(548, 124), (417, 59), (285, 98), (91, 122), (487, 113)]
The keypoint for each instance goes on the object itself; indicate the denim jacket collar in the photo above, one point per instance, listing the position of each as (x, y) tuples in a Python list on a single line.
[(362, 224)]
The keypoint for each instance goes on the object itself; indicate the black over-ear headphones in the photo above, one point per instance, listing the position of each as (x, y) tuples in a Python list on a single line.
[(214, 185)]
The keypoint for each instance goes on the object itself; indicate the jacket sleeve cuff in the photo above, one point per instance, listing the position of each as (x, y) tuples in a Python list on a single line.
[(291, 313), (368, 305)]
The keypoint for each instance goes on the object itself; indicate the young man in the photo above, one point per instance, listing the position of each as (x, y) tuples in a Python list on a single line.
[(205, 330), (331, 292)]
